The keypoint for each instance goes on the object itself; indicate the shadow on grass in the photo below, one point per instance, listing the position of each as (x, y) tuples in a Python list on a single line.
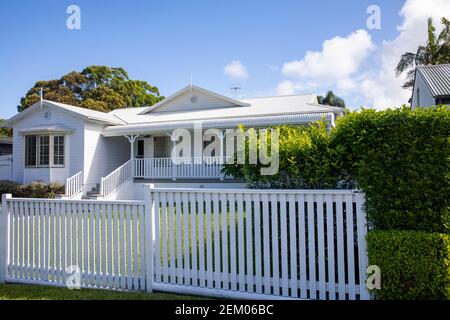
[(35, 292)]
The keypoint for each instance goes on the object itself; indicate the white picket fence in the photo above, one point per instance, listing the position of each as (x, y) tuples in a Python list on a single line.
[(45, 237), (301, 244)]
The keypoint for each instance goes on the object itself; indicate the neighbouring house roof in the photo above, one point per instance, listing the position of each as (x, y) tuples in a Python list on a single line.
[(437, 78), (83, 113), (57, 128)]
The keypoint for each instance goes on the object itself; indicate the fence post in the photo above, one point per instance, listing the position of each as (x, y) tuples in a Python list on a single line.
[(362, 246), (4, 237), (149, 243)]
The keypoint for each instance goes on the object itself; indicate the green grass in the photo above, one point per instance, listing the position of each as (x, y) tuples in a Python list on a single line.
[(35, 292)]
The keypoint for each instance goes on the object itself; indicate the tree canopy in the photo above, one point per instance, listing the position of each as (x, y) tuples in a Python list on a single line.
[(436, 51), (98, 88), (4, 131), (331, 100)]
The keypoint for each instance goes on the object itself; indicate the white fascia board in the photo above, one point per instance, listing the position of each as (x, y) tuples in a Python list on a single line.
[(10, 122)]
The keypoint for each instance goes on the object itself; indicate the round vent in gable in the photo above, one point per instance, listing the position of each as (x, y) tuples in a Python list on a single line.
[(194, 99), (47, 115)]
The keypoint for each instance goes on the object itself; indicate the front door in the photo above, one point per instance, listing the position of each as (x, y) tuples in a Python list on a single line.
[(140, 149)]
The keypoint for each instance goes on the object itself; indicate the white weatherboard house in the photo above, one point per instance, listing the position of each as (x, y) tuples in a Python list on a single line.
[(110, 155), (431, 86)]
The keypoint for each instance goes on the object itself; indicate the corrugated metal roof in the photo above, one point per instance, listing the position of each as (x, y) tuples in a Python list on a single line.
[(281, 105), (256, 121), (437, 77)]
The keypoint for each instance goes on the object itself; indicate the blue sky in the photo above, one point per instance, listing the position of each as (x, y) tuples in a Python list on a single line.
[(168, 42)]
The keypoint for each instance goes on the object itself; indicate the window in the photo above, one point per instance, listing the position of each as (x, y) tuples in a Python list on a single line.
[(161, 147), (30, 151), (44, 150), (58, 150)]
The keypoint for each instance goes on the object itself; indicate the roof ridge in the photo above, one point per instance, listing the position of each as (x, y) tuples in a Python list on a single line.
[(280, 96)]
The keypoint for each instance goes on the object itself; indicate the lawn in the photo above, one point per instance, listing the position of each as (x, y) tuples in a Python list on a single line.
[(35, 292)]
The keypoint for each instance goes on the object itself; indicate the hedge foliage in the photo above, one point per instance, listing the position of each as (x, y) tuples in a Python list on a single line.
[(306, 161), (414, 264), (32, 190), (401, 160)]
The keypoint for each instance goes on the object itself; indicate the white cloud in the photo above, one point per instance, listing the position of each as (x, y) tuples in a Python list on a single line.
[(381, 88), (236, 70), (286, 87), (339, 58), (342, 64)]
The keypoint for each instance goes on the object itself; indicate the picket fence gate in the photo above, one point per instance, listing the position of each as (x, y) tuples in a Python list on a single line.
[(255, 244)]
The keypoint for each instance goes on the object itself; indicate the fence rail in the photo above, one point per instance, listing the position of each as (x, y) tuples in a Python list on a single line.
[(301, 244)]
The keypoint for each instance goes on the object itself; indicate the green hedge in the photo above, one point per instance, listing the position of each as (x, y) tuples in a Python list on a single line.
[(306, 161), (401, 160), (32, 190), (414, 264)]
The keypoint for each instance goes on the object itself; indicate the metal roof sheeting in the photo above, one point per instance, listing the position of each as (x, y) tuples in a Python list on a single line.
[(437, 78), (257, 121)]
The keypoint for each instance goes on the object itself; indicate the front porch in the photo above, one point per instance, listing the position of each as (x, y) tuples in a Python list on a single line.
[(164, 169), (178, 168)]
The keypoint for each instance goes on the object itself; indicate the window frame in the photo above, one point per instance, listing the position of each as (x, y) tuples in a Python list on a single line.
[(51, 151)]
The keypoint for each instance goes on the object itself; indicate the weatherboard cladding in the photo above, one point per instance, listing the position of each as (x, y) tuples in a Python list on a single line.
[(437, 78)]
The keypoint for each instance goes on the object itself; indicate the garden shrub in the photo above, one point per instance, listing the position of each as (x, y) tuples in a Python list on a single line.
[(306, 161), (401, 160), (32, 190), (413, 264)]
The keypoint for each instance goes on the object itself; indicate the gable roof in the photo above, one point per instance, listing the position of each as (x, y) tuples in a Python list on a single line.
[(437, 78), (190, 88), (268, 106), (83, 113)]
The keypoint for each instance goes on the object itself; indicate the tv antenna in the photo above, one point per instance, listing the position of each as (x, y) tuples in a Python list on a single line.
[(236, 88)]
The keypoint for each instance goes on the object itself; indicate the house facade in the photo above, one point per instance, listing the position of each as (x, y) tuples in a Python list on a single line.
[(111, 155), (431, 86)]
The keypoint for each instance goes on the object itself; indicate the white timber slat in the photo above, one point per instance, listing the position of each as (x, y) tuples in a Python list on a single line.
[(249, 241), (330, 247), (321, 247)]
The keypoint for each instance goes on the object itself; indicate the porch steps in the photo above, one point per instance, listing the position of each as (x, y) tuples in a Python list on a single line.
[(94, 194)]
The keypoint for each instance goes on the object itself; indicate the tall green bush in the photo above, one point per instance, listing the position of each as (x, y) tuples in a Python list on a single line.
[(413, 264), (401, 160), (306, 161)]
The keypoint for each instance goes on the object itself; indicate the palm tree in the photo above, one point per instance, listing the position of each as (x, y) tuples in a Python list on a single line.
[(436, 51)]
